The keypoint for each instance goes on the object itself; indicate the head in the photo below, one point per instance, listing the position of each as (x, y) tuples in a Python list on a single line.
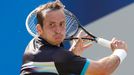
[(51, 22)]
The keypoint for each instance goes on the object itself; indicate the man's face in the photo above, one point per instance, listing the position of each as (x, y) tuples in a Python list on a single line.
[(54, 27)]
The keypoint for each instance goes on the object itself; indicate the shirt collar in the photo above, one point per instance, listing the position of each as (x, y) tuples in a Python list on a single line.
[(46, 43)]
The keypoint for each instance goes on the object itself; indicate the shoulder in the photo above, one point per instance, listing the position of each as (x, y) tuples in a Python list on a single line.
[(32, 49), (32, 46)]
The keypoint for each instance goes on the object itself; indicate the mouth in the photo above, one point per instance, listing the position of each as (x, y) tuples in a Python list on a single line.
[(58, 37)]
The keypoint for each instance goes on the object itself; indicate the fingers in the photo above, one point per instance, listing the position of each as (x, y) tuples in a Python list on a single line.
[(75, 41), (78, 48), (87, 45), (82, 34), (118, 44), (79, 43), (113, 39)]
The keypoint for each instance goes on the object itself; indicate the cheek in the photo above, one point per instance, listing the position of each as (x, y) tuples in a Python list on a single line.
[(49, 33), (63, 32)]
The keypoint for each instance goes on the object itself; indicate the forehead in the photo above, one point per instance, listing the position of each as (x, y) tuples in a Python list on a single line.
[(54, 14)]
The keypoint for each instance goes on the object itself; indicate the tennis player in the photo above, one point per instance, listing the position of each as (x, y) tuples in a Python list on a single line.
[(46, 55)]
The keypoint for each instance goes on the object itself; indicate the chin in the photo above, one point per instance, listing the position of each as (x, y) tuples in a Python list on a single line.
[(58, 42)]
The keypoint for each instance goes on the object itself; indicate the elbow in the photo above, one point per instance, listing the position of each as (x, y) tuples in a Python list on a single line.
[(104, 70)]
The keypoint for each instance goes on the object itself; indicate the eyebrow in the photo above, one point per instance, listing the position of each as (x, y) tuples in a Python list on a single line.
[(60, 21), (52, 22)]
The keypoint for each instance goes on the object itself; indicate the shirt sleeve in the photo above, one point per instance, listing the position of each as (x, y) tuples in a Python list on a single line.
[(72, 64)]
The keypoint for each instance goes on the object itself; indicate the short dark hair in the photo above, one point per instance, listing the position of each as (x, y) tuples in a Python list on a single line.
[(51, 5)]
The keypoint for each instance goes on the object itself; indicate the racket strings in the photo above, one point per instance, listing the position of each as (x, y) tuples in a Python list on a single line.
[(32, 18), (71, 24), (32, 23)]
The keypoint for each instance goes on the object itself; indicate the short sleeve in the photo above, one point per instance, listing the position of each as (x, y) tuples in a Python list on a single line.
[(72, 64)]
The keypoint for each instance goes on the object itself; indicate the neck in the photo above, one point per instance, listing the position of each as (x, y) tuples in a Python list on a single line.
[(52, 43)]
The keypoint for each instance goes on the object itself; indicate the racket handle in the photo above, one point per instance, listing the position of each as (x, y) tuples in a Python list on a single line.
[(104, 42)]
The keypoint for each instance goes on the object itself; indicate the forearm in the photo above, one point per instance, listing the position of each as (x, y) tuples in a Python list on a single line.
[(109, 64), (104, 66)]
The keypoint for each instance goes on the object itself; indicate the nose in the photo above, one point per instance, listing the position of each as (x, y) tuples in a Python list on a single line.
[(58, 29)]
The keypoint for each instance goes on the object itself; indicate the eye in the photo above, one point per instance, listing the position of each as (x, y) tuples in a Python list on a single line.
[(62, 24), (51, 24)]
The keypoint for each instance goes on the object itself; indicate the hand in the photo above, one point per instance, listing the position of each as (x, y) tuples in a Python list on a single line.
[(118, 44), (79, 45)]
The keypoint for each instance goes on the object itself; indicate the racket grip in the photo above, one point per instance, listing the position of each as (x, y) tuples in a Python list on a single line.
[(104, 42)]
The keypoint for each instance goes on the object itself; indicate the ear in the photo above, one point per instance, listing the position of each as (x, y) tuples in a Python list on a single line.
[(39, 29)]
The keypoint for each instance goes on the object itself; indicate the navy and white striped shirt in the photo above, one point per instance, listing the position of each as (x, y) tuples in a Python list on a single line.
[(42, 58)]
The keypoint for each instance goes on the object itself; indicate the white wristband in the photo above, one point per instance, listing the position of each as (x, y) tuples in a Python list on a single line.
[(120, 53)]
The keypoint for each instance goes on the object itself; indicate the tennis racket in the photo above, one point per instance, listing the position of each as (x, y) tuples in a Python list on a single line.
[(72, 27)]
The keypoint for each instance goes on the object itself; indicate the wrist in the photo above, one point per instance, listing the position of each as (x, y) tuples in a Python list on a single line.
[(121, 53)]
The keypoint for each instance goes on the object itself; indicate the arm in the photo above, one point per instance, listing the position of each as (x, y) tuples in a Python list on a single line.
[(107, 65), (104, 66)]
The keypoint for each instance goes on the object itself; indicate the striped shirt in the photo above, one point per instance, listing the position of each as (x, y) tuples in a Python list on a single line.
[(42, 58)]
